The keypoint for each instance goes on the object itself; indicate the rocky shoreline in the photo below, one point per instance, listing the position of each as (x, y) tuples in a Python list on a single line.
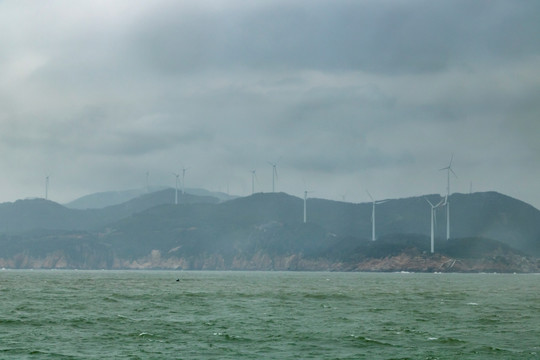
[(410, 262)]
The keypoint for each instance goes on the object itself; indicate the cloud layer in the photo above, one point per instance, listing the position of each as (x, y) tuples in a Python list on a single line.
[(345, 95)]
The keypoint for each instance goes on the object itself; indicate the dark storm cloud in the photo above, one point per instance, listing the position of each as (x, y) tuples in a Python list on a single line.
[(386, 37)]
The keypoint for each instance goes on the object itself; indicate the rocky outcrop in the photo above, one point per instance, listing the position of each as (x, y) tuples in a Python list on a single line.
[(440, 263)]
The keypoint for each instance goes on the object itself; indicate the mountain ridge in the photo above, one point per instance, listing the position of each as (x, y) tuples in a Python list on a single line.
[(105, 199), (266, 231)]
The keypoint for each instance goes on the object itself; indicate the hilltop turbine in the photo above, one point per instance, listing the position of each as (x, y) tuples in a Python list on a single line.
[(47, 187), (176, 188), (373, 238), (434, 221), (274, 175), (184, 179), (447, 202), (253, 182), (305, 207)]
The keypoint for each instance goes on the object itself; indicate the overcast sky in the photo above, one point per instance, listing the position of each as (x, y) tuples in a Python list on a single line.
[(346, 96)]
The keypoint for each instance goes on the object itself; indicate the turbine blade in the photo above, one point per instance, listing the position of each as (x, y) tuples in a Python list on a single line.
[(429, 202), (371, 197)]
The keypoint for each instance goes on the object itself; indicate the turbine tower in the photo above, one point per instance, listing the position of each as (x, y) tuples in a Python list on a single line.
[(147, 182), (252, 182), (47, 187), (373, 238), (447, 202), (176, 188), (184, 180), (305, 203), (434, 221), (274, 175)]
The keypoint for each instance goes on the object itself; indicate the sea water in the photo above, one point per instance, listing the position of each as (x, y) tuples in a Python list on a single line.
[(267, 315)]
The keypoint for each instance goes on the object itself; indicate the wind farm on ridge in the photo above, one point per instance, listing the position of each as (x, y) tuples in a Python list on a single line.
[(180, 187), (171, 227)]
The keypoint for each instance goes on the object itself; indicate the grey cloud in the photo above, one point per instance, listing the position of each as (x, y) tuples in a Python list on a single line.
[(351, 90), (393, 37)]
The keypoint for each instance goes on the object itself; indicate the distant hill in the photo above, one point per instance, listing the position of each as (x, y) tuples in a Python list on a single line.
[(484, 215), (107, 198), (26, 215), (266, 231), (110, 198)]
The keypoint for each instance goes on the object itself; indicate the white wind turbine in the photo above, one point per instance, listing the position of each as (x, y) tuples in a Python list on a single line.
[(184, 179), (373, 238), (177, 176), (274, 175), (434, 220), (447, 202), (305, 204), (47, 187), (253, 182)]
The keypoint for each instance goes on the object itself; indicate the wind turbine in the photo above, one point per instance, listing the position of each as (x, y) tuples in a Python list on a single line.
[(447, 202), (176, 188), (47, 187), (305, 207), (183, 179), (253, 182), (373, 214), (274, 175), (434, 220)]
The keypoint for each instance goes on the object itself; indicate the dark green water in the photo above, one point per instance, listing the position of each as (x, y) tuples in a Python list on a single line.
[(267, 315)]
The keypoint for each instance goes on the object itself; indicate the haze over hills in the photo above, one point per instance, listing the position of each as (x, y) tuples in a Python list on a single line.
[(32, 214), (109, 198), (265, 231), (486, 215)]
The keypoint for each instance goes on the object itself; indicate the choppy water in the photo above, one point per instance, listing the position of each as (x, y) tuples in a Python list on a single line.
[(267, 315)]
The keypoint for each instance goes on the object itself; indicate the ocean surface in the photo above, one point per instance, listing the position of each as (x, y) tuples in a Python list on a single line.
[(267, 315)]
